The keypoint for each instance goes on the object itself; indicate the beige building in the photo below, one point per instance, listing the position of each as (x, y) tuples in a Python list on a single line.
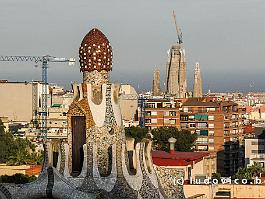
[(224, 191), (19, 101)]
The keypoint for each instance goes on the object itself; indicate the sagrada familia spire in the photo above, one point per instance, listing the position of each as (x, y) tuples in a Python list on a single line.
[(156, 83), (96, 160), (197, 87), (176, 78)]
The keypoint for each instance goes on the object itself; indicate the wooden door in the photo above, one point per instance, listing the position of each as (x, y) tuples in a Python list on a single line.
[(78, 140)]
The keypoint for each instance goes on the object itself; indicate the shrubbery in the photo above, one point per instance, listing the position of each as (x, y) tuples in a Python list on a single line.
[(18, 178)]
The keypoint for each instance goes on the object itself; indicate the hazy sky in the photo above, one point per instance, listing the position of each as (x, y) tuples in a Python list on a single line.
[(225, 36)]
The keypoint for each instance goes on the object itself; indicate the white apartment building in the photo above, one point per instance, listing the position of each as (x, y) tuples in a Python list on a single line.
[(254, 151)]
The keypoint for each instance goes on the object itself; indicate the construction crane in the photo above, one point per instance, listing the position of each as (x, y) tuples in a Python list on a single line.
[(44, 60), (179, 33)]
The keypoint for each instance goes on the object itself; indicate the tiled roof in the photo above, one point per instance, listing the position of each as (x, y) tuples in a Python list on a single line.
[(199, 102), (162, 158)]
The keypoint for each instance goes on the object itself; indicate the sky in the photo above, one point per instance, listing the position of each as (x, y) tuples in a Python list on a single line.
[(226, 37)]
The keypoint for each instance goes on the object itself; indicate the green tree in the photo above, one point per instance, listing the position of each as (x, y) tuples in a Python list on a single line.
[(6, 144), (136, 132), (185, 139), (243, 173), (17, 151), (248, 173)]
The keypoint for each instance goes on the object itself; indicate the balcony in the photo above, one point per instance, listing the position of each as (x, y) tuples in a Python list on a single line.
[(257, 157)]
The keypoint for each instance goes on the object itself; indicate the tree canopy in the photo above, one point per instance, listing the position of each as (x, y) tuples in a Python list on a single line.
[(17, 151), (185, 140), (250, 172), (136, 132)]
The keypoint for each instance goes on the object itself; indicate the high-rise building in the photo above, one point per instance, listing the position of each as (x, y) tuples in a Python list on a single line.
[(176, 78), (197, 87), (156, 83)]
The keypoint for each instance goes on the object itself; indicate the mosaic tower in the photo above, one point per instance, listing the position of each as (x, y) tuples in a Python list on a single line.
[(96, 160)]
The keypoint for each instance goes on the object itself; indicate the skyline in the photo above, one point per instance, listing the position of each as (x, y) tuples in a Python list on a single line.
[(229, 52)]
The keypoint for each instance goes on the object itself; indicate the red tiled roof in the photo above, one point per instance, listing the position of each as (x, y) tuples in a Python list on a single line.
[(162, 158)]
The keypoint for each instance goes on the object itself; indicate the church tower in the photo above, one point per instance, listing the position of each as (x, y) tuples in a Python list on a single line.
[(197, 87), (176, 77), (156, 83)]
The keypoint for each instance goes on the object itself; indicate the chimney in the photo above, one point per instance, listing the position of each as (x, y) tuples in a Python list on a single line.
[(172, 142)]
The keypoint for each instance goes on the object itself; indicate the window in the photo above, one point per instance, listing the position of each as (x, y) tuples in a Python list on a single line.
[(159, 105), (202, 125), (210, 117), (64, 113), (211, 148), (256, 143), (257, 151), (150, 105), (172, 113), (191, 117), (148, 113), (172, 121), (211, 125), (201, 140), (184, 118), (184, 125), (192, 125), (203, 132), (211, 133), (201, 117), (153, 121), (148, 121), (202, 148), (153, 113), (211, 140), (210, 109)]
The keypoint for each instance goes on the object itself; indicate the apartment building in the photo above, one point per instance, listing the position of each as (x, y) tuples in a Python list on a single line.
[(162, 112), (215, 122), (233, 121), (255, 151), (205, 119)]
